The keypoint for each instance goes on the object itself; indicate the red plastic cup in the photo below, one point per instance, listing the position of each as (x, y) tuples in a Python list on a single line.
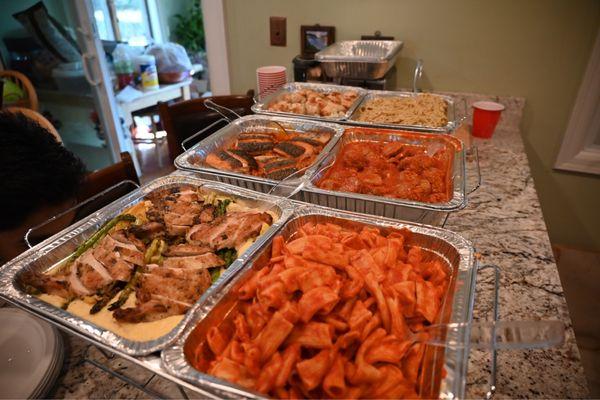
[(485, 118)]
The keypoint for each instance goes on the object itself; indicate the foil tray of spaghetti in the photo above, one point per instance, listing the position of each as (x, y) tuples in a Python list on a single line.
[(397, 208), (263, 106), (444, 369), (451, 114), (194, 159), (57, 249)]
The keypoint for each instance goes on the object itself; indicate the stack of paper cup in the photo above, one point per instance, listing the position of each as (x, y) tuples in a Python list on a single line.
[(269, 79)]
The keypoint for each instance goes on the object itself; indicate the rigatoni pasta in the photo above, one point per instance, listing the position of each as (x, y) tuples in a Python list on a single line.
[(331, 315)]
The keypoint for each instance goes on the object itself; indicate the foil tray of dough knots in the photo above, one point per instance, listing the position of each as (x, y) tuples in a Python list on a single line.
[(293, 95), (359, 59), (56, 250)]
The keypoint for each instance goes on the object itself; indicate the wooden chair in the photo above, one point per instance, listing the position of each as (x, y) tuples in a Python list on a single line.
[(94, 184), (37, 117), (31, 101), (100, 180), (181, 120)]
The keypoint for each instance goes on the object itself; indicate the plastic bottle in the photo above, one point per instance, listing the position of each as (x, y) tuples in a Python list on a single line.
[(146, 66), (123, 65)]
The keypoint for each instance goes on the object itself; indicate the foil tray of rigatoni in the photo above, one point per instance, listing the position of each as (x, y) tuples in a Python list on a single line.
[(259, 151), (359, 59), (129, 276), (327, 309), (408, 154), (427, 112), (318, 101)]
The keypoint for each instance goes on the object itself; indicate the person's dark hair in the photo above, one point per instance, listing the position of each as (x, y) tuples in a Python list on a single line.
[(35, 170)]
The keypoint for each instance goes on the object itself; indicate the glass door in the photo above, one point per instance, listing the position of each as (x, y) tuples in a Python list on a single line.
[(97, 74)]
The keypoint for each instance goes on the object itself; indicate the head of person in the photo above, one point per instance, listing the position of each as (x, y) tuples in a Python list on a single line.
[(39, 178)]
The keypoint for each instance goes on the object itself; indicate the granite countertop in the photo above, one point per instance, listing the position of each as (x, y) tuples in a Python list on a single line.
[(504, 221)]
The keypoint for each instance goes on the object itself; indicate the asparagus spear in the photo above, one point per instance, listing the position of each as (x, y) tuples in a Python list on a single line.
[(107, 294), (215, 273), (129, 288), (221, 208)]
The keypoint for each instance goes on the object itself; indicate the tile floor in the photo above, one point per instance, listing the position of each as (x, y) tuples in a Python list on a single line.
[(580, 273)]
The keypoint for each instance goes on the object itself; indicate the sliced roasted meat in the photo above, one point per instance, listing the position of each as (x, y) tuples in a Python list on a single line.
[(185, 249), (128, 251), (179, 219), (229, 231), (92, 273), (147, 231), (202, 261), (177, 230), (182, 207), (123, 236), (51, 284), (185, 193), (223, 160), (117, 267), (207, 214), (164, 292)]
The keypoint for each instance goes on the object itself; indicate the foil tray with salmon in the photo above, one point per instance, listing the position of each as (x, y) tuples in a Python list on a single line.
[(258, 152)]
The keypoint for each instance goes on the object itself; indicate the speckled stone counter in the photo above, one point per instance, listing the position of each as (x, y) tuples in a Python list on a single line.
[(504, 221)]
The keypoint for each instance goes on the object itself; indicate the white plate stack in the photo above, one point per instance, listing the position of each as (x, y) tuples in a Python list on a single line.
[(31, 355), (269, 79)]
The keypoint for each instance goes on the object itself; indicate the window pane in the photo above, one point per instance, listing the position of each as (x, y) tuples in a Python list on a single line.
[(133, 22), (102, 18)]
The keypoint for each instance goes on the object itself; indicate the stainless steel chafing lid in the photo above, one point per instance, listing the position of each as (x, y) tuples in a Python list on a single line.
[(370, 51)]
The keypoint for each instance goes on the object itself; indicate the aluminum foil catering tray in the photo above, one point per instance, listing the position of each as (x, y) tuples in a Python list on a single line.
[(359, 59), (57, 248), (262, 107), (453, 119), (407, 210), (193, 159), (445, 369)]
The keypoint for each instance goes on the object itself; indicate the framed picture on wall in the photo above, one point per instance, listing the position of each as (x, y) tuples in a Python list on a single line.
[(314, 38)]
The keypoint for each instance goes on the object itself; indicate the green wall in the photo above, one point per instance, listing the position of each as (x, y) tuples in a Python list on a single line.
[(537, 49)]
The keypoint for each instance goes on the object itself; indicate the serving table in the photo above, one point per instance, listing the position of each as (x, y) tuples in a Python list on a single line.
[(505, 222)]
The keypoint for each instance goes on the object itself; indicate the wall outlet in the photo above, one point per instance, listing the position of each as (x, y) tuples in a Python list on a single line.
[(278, 31)]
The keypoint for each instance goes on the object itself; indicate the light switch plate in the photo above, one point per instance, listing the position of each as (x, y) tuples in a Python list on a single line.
[(278, 31)]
